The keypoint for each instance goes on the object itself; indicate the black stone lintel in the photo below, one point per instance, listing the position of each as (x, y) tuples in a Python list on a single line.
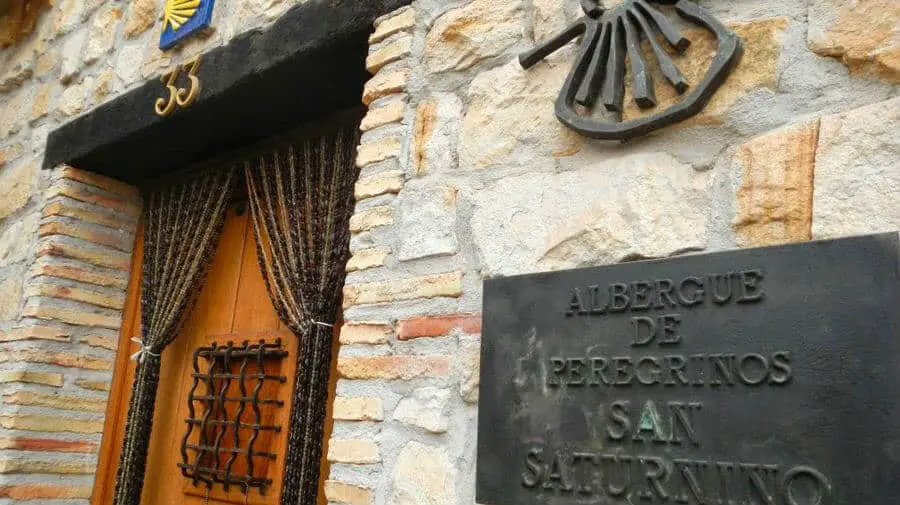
[(309, 63)]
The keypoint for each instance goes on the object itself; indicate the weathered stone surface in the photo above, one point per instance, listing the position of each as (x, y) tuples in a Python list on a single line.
[(393, 367), (71, 101), (141, 17), (862, 34), (40, 104), (42, 308), (407, 288), (774, 201), (45, 378), (427, 222), (47, 61), (857, 177), (49, 423), (15, 113), (757, 69), (353, 451), (426, 408), (365, 333), (15, 245), (128, 63), (84, 231), (424, 475), (56, 466), (367, 258), (389, 53), (370, 218), (93, 385), (358, 409), (438, 326), (103, 86), (401, 19), (10, 296), (33, 332), (391, 112), (102, 34), (67, 15), (100, 198), (377, 150), (549, 18), (76, 271), (385, 83), (155, 61), (95, 255), (17, 65), (131, 193), (44, 492), (436, 132), (466, 35), (99, 298), (341, 492), (378, 184), (467, 367), (10, 152), (599, 214), (72, 56), (510, 119), (55, 401), (17, 182), (65, 359), (110, 342)]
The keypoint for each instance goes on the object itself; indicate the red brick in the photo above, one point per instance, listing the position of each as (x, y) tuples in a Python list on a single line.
[(99, 181), (436, 326), (393, 367), (47, 445)]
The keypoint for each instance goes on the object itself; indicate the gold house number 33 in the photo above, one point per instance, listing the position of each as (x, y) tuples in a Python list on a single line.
[(179, 96)]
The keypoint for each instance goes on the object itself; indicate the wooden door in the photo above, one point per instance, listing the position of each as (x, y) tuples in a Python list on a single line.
[(233, 306)]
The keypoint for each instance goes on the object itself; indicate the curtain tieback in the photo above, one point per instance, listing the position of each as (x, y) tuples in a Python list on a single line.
[(142, 351), (320, 323)]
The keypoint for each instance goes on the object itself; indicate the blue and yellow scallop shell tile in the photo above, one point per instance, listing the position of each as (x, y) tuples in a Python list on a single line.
[(183, 18)]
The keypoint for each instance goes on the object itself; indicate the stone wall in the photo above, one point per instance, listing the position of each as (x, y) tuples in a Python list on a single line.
[(467, 174), (66, 236)]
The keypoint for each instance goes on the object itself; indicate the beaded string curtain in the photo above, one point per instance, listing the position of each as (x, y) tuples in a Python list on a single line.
[(182, 223), (301, 199)]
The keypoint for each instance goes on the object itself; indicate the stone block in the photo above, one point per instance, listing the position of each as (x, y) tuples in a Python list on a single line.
[(42, 101), (348, 494), (76, 271), (16, 241), (379, 184), (55, 401), (55, 466), (400, 20), (393, 367), (71, 101), (597, 215), (92, 384), (371, 218), (438, 326), (385, 83), (367, 258), (141, 17), (391, 112), (93, 234), (862, 34), (467, 368), (95, 255), (408, 288), (436, 133), (35, 332), (424, 475), (98, 298), (857, 176), (110, 342), (67, 15), (45, 378), (65, 359), (42, 308), (774, 201), (47, 61), (49, 424), (102, 34), (389, 53), (10, 297), (426, 408), (365, 333), (357, 409), (377, 150), (427, 222), (353, 451), (464, 36), (45, 492), (10, 152), (72, 55), (17, 65)]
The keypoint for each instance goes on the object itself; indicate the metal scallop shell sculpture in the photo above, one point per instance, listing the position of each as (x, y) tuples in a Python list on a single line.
[(598, 73)]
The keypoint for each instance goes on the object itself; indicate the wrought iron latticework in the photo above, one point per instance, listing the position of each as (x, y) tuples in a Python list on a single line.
[(610, 39), (220, 441)]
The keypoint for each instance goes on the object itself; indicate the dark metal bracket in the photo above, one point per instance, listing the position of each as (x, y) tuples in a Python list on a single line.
[(607, 38)]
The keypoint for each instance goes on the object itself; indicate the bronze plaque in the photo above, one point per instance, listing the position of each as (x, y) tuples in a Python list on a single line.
[(759, 376)]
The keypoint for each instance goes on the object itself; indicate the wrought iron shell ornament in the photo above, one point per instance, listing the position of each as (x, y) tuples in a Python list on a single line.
[(607, 37)]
